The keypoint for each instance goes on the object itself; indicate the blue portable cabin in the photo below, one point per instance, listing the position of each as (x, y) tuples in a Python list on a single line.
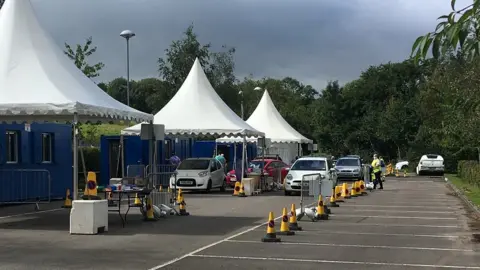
[(136, 153), (207, 149), (35, 161)]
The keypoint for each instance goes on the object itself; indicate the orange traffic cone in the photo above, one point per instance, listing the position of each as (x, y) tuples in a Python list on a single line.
[(241, 193), (137, 202), (182, 204), (338, 194), (271, 236), (110, 201), (345, 192), (353, 190), (236, 189), (357, 188), (362, 187), (333, 199), (68, 201), (293, 226), (321, 209), (284, 227), (149, 216)]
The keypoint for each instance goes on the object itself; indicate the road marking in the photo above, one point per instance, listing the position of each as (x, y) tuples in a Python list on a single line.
[(31, 213), (378, 234), (402, 217), (355, 246), (402, 211), (398, 206), (216, 243), (335, 262), (393, 225)]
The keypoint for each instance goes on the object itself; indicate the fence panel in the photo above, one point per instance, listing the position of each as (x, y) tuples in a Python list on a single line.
[(135, 170), (25, 186)]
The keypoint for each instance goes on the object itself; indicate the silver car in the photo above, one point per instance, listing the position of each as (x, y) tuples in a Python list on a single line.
[(349, 168)]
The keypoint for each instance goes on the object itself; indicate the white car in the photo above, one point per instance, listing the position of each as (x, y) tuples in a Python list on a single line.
[(401, 165), (310, 165), (199, 174), (430, 164)]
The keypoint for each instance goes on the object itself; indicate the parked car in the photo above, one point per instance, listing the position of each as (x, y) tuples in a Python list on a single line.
[(430, 164), (349, 168), (271, 167), (401, 165), (199, 174), (309, 165)]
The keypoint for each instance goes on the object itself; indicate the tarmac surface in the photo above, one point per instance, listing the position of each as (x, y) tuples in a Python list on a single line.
[(414, 223)]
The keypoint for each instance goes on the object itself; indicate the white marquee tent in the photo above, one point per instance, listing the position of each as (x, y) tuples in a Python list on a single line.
[(38, 83), (197, 109), (285, 139)]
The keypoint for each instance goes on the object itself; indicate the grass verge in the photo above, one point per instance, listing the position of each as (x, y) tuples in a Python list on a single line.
[(472, 193)]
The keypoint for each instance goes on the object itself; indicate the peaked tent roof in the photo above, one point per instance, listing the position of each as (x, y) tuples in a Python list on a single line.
[(39, 83), (267, 119), (197, 109)]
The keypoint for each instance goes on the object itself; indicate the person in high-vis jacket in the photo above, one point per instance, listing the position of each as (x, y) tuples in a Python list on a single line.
[(377, 170)]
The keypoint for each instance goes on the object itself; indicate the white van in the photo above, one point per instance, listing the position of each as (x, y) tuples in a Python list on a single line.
[(430, 164)]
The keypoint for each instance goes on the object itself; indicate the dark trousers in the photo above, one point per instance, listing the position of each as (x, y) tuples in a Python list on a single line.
[(378, 180)]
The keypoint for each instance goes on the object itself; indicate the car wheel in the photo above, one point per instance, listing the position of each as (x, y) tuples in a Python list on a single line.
[(209, 186), (224, 185)]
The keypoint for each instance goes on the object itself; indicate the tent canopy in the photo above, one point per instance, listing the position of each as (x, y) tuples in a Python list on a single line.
[(266, 118), (39, 83), (197, 109)]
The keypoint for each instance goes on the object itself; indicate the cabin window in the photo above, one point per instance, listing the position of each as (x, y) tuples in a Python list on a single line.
[(47, 150), (12, 146)]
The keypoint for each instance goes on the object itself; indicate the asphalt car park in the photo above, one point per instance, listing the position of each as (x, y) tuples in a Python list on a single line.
[(412, 223)]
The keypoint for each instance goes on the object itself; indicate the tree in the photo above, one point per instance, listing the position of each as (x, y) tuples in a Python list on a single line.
[(450, 34), (80, 55)]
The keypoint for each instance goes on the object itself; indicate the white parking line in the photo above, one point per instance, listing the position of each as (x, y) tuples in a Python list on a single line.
[(355, 246), (402, 211), (392, 225), (336, 262), (377, 234), (31, 213), (397, 206), (402, 217), (215, 244)]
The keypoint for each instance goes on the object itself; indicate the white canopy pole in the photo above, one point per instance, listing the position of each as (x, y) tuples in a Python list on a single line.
[(75, 157), (243, 155), (234, 155)]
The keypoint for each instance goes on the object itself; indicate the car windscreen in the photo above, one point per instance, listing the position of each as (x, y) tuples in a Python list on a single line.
[(194, 164), (431, 156), (347, 162), (256, 164), (309, 165)]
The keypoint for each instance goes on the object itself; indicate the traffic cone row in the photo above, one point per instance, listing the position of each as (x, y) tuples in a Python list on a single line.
[(289, 225), (182, 204)]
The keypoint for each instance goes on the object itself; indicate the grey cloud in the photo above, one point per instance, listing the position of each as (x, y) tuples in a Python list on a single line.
[(312, 40)]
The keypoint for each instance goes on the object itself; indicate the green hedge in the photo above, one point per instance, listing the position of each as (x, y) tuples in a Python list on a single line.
[(469, 171)]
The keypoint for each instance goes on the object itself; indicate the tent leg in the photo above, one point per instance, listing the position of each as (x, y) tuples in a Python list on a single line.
[(234, 156), (75, 158), (243, 157)]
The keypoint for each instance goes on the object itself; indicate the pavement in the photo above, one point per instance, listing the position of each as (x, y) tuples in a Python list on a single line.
[(414, 223)]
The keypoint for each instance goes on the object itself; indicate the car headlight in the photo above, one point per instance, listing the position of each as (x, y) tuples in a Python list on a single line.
[(356, 170), (203, 174), (289, 177)]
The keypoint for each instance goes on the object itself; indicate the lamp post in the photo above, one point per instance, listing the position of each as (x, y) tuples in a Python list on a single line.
[(241, 103), (127, 35)]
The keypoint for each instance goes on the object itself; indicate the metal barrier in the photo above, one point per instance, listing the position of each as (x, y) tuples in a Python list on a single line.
[(311, 186), (161, 176), (24, 186)]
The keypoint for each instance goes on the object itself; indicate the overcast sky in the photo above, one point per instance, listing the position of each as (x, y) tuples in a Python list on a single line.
[(312, 40)]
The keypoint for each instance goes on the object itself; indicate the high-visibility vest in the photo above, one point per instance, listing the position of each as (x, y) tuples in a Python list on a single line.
[(376, 165)]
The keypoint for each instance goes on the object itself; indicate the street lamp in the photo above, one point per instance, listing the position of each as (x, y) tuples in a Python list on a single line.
[(127, 34), (241, 102)]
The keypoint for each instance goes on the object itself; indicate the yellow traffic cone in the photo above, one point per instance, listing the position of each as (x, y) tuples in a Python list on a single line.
[(321, 209), (68, 201), (169, 190), (236, 189), (110, 201), (293, 225), (345, 192), (90, 192), (271, 236), (333, 199), (284, 227), (137, 202), (241, 193), (357, 188), (405, 173), (160, 189), (362, 187), (353, 191), (150, 216), (396, 173), (182, 204), (338, 194)]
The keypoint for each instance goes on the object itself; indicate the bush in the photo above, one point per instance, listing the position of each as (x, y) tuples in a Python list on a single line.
[(469, 171)]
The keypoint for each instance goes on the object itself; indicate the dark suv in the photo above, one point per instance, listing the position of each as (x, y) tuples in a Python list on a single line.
[(349, 168)]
